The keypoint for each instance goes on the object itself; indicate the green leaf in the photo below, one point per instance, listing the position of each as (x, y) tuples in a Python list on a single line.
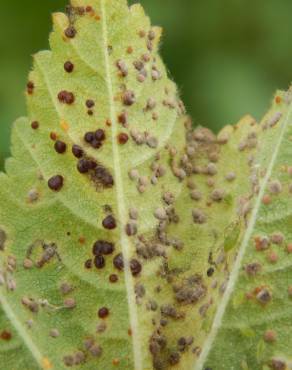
[(103, 73), (262, 268), (107, 165)]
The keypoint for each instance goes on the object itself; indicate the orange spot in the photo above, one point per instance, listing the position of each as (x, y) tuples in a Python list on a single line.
[(53, 136), (272, 257), (258, 289), (278, 100), (64, 126), (5, 335), (289, 248), (97, 18), (108, 122), (46, 363), (270, 336), (130, 332), (129, 50), (82, 240), (116, 361), (266, 200)]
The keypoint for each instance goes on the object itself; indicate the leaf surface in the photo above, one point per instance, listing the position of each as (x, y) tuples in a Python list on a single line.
[(129, 240)]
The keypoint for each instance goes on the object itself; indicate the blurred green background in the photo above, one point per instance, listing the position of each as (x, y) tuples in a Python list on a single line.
[(227, 56)]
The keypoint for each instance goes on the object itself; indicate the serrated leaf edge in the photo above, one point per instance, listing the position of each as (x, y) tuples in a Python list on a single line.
[(242, 249)]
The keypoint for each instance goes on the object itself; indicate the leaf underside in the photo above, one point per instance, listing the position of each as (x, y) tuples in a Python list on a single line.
[(128, 239)]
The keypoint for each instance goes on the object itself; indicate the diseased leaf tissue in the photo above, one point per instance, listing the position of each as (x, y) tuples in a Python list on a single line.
[(128, 239)]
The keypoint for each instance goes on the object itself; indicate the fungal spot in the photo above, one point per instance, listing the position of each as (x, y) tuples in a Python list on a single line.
[(109, 222), (53, 136), (131, 229), (66, 97), (121, 65), (174, 358), (89, 137), (134, 174), (31, 304), (133, 214), (5, 335), (231, 176), (3, 239), (89, 103), (135, 267), (77, 151), (277, 364), (116, 362), (123, 118), (270, 336), (264, 296), (60, 147), (99, 262), (102, 176), (69, 303), (35, 125), (68, 360), (102, 247), (33, 195), (272, 257), (261, 243), (101, 327), (272, 121), (95, 350), (118, 262), (85, 165), (79, 358), (103, 312), (64, 125), (275, 187), (56, 183), (27, 264), (113, 278), (266, 200), (218, 195), (190, 291), (140, 290), (88, 264), (196, 195), (199, 216), (160, 214), (123, 138), (128, 98), (69, 67), (54, 333), (210, 271), (66, 288), (211, 169), (30, 87), (70, 32), (278, 99), (89, 9), (253, 269)]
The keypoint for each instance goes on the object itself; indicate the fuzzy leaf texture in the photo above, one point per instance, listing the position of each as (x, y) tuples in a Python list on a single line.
[(128, 239)]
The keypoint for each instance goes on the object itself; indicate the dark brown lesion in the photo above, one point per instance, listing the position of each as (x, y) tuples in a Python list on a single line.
[(98, 174), (3, 238)]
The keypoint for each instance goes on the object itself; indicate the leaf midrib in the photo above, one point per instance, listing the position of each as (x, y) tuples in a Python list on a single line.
[(121, 204)]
